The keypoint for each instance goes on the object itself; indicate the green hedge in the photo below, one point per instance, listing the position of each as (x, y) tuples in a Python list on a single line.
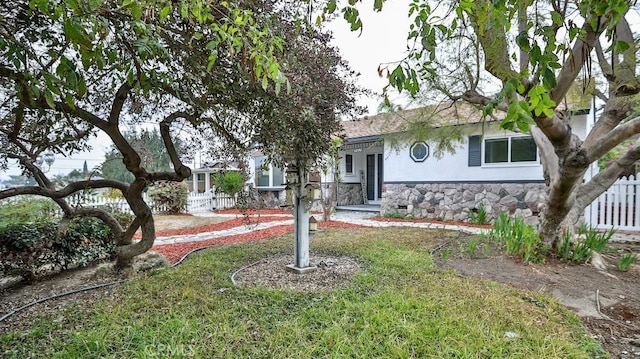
[(33, 250)]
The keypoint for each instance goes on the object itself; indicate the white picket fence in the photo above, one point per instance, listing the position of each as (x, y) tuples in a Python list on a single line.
[(196, 202), (618, 207)]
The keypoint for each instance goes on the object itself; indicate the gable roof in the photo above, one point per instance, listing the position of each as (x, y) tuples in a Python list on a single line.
[(578, 100), (446, 114)]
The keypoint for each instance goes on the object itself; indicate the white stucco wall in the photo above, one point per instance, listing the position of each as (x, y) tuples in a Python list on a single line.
[(399, 167)]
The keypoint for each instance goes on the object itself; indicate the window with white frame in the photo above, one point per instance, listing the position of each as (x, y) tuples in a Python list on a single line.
[(267, 175), (515, 149)]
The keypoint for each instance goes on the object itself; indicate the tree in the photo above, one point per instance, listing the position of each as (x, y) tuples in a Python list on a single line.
[(521, 58), (153, 155), (69, 69)]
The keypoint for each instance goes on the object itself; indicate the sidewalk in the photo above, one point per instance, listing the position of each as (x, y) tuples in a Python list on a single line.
[(360, 218), (353, 217)]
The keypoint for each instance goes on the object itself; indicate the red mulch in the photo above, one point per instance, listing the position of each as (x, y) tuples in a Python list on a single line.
[(258, 211), (174, 252), (236, 222), (427, 220), (253, 211)]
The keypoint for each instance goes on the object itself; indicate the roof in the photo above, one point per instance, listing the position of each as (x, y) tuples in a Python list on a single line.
[(449, 114), (578, 100)]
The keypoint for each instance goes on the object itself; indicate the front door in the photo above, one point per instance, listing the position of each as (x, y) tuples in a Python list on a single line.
[(374, 177)]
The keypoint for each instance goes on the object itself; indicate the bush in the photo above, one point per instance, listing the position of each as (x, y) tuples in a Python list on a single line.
[(33, 250), (26, 210), (230, 182), (169, 196)]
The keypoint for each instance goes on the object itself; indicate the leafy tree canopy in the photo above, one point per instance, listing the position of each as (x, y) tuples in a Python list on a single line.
[(521, 58), (69, 69)]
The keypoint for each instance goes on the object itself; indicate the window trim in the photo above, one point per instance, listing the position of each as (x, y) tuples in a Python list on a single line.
[(508, 163), (427, 151), (348, 164), (271, 185)]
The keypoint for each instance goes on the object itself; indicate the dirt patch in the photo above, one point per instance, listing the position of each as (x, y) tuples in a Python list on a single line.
[(173, 222), (608, 302), (330, 272)]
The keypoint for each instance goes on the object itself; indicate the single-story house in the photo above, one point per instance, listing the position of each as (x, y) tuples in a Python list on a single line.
[(384, 163), (500, 170), (201, 179)]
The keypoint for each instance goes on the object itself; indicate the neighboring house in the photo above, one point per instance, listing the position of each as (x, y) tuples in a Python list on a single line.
[(201, 179), (268, 180), (491, 167)]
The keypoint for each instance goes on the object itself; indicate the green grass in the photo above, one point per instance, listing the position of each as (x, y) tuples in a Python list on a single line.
[(398, 306)]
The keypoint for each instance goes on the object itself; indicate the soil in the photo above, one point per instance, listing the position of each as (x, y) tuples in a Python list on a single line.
[(607, 302)]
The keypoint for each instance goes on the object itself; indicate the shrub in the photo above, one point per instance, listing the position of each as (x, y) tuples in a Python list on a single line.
[(32, 250), (26, 210), (169, 196), (230, 182)]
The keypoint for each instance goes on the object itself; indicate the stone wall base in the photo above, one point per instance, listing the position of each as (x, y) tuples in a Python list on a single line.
[(349, 194), (454, 201)]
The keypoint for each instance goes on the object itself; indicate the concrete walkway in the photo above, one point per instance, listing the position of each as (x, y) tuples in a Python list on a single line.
[(353, 217)]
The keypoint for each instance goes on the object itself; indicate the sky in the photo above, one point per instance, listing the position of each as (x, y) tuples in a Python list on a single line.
[(383, 40)]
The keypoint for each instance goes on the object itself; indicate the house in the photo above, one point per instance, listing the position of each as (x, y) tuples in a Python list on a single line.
[(382, 162), (268, 180), (201, 179)]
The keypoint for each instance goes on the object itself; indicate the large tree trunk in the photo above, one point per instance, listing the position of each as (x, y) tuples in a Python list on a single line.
[(126, 252)]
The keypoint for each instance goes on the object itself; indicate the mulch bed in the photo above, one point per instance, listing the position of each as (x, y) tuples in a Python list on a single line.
[(236, 222), (257, 211), (173, 252)]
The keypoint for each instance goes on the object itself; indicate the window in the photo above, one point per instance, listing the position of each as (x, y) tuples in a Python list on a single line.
[(348, 162), (419, 151), (200, 177), (510, 150), (266, 175)]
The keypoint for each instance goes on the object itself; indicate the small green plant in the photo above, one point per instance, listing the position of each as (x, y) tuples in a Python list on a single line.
[(479, 216), (595, 240), (519, 237), (626, 261), (409, 216), (169, 196), (444, 254), (581, 252), (564, 247), (472, 246), (395, 215), (230, 182), (485, 249), (501, 228)]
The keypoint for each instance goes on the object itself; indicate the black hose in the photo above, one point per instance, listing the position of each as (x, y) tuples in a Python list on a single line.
[(93, 287), (86, 289)]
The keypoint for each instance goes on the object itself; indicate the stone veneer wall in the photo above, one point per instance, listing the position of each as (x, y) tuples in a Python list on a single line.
[(453, 201), (349, 194)]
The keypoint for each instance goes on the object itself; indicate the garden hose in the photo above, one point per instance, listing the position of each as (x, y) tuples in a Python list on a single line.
[(86, 289)]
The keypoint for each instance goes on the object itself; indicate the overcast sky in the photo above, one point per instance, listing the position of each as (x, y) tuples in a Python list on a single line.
[(382, 40)]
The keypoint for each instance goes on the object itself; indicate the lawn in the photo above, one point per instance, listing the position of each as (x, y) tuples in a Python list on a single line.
[(398, 306)]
